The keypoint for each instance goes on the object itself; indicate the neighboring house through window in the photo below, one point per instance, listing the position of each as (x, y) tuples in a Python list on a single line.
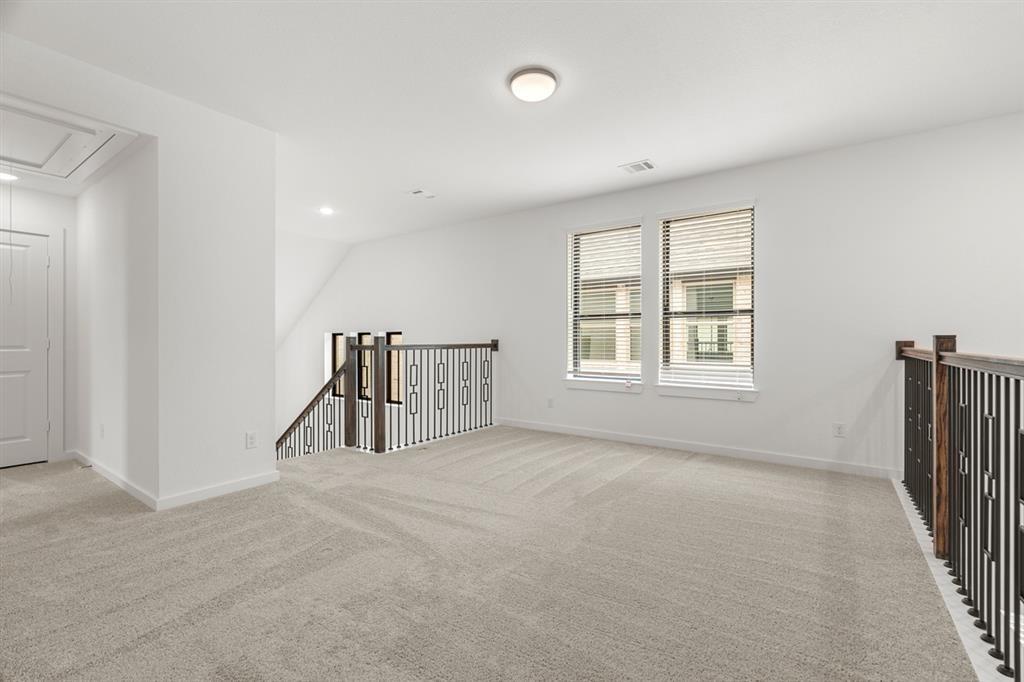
[(604, 301), (707, 316)]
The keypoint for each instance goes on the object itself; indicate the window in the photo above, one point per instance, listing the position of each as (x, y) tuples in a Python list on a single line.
[(604, 304), (365, 358), (396, 375), (707, 300)]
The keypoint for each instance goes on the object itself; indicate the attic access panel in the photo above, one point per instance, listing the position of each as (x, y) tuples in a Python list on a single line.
[(54, 144)]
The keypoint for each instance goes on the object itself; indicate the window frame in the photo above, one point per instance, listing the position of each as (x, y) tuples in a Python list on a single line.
[(364, 357), (677, 389), (572, 376), (394, 367)]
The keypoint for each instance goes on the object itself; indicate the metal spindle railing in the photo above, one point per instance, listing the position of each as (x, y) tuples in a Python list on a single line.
[(319, 426), (917, 464), (965, 474), (385, 397), (439, 391), (986, 494)]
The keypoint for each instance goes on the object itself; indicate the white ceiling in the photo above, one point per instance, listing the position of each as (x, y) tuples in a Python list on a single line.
[(372, 100)]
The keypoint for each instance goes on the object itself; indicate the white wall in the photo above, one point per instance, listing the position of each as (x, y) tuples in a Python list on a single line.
[(113, 385), (303, 264), (854, 248), (214, 268)]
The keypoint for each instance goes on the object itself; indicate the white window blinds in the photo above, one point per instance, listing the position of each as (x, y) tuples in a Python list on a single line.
[(707, 300), (604, 304)]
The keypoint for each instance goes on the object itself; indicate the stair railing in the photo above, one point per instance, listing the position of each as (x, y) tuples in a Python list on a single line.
[(386, 397), (964, 471), (318, 426)]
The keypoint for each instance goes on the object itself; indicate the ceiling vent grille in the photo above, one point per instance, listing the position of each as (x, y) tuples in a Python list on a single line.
[(637, 166)]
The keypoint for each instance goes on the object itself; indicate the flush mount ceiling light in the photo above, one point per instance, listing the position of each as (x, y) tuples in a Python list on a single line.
[(533, 84), (7, 177), (326, 210)]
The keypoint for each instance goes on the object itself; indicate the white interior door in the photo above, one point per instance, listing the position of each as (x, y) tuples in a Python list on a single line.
[(24, 273)]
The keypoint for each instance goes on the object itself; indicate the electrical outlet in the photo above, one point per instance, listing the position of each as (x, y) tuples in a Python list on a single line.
[(551, 402), (838, 430), (250, 440)]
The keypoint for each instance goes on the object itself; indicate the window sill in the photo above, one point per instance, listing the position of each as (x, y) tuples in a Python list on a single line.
[(612, 385), (742, 395)]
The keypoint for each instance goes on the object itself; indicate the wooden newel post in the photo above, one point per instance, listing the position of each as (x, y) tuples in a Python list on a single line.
[(940, 441), (351, 391), (380, 370)]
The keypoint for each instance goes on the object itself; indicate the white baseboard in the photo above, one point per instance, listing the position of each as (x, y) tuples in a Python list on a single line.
[(65, 456), (709, 449), (190, 496), (179, 499), (127, 486)]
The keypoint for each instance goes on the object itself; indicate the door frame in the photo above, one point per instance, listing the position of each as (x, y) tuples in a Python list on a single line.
[(55, 294)]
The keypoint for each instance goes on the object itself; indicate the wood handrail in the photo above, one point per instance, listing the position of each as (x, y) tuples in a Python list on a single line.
[(994, 364), (493, 345), (918, 353), (312, 403)]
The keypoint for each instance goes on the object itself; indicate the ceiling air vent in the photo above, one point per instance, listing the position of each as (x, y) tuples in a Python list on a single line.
[(637, 166), (422, 194)]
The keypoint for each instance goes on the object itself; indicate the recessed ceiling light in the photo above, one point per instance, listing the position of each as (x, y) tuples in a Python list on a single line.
[(7, 177), (534, 84), (326, 210)]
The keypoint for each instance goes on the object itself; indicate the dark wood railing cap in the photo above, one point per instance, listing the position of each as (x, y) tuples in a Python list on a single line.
[(918, 353)]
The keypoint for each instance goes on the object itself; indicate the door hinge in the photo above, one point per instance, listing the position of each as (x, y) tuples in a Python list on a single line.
[(47, 344), (48, 261), (47, 427)]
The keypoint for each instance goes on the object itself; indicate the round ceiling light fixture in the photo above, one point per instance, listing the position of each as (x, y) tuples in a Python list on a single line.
[(326, 210), (533, 84)]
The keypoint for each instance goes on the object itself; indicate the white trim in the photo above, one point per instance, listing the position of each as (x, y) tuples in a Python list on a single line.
[(659, 220), (56, 245), (742, 395), (709, 449), (190, 496), (130, 488), (705, 210), (633, 221), (612, 385), (567, 259), (171, 501), (977, 651)]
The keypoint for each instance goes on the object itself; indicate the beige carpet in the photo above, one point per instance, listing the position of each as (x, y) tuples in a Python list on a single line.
[(500, 554)]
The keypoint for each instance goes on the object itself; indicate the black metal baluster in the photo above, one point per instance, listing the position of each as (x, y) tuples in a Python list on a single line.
[(911, 470), (929, 446), (994, 619), (963, 490), (435, 413), (1006, 557), (951, 468), (972, 586), (985, 520)]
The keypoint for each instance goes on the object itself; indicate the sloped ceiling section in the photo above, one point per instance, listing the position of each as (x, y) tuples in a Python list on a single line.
[(304, 264)]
